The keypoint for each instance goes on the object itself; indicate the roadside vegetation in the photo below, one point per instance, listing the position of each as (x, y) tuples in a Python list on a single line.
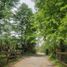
[(19, 29)]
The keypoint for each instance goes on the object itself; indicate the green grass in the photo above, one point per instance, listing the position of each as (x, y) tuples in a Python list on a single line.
[(56, 62)]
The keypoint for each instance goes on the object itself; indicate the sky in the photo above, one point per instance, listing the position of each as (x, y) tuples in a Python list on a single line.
[(29, 3)]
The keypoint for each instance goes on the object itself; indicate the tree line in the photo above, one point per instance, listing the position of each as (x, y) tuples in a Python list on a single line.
[(16, 29), (19, 28), (51, 23)]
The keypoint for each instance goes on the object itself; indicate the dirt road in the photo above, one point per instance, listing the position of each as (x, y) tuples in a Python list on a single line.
[(34, 61)]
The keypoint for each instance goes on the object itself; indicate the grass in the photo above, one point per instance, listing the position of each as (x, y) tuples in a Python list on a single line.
[(56, 62)]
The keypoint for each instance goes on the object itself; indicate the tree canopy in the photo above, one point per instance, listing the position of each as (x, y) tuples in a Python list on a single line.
[(51, 21), (19, 29)]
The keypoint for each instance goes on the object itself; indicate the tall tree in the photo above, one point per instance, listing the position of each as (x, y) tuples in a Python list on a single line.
[(23, 16)]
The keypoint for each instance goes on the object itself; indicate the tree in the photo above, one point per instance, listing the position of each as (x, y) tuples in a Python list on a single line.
[(23, 17), (49, 17), (6, 6), (16, 28)]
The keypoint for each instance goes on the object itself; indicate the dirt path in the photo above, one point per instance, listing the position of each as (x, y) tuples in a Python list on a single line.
[(34, 61)]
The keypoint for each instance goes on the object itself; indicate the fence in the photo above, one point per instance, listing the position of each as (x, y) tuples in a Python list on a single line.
[(5, 57), (62, 57)]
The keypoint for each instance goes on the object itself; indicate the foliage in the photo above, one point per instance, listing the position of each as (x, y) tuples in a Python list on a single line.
[(51, 21), (24, 17), (16, 28), (19, 29)]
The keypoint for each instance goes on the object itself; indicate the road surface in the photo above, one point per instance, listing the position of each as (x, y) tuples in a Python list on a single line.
[(34, 61)]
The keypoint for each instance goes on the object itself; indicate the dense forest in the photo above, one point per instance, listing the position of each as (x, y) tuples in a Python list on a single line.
[(19, 27)]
